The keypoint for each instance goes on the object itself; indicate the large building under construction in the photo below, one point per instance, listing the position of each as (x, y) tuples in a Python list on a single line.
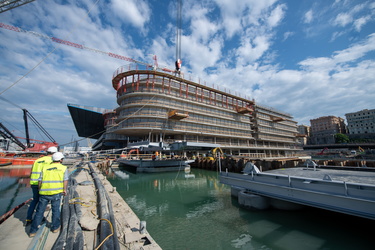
[(166, 109)]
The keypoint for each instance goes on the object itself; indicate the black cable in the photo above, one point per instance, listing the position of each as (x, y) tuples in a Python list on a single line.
[(106, 213)]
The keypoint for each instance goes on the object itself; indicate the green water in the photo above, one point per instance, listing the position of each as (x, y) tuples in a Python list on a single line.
[(199, 213), (13, 192)]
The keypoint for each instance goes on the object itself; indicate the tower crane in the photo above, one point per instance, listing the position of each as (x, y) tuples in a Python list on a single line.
[(178, 36), (80, 46), (6, 5)]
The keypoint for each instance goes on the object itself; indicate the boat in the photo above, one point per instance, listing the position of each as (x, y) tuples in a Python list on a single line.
[(148, 165), (19, 158), (151, 159)]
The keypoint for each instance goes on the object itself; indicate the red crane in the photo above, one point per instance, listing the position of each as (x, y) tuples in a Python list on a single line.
[(80, 46)]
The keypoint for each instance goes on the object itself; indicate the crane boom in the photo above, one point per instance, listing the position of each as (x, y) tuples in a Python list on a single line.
[(6, 5), (8, 135), (80, 46)]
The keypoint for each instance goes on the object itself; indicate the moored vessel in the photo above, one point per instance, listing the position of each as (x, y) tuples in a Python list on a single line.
[(149, 165), (151, 159)]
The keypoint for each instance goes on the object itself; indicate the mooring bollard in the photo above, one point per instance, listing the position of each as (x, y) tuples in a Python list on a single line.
[(142, 227)]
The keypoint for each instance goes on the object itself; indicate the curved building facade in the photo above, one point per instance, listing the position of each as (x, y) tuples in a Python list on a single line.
[(159, 107)]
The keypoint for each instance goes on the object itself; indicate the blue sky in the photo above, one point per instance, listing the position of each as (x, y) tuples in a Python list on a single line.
[(306, 58)]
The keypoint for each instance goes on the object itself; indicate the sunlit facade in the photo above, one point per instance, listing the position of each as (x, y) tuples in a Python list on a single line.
[(159, 107)]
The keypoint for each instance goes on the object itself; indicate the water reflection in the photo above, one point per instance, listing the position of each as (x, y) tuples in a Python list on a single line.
[(14, 188)]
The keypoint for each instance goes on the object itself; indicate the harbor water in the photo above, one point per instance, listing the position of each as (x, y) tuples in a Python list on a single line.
[(195, 211), (14, 188)]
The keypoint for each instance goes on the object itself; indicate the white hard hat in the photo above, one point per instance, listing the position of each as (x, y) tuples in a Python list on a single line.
[(57, 156), (52, 150)]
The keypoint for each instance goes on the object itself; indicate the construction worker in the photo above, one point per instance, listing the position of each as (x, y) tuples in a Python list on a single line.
[(34, 177), (53, 182)]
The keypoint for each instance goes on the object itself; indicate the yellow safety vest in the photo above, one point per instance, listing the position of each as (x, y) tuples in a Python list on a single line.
[(37, 168), (52, 179)]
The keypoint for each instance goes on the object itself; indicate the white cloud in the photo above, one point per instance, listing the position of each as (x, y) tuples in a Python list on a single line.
[(360, 22), (276, 15), (288, 34), (134, 12), (200, 55), (348, 55), (343, 19), (308, 17), (252, 50), (202, 29), (356, 51), (336, 35), (237, 15), (355, 16)]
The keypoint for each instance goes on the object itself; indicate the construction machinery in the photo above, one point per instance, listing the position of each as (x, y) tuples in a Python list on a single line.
[(31, 145), (322, 152), (6, 5), (214, 154)]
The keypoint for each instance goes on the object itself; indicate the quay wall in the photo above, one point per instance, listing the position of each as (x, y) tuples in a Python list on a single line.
[(110, 204), (347, 163)]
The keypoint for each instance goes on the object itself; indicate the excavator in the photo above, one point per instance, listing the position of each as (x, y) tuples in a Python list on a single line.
[(125, 154), (212, 154), (322, 152)]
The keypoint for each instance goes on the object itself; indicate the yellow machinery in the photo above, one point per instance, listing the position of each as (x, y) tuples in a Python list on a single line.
[(212, 155)]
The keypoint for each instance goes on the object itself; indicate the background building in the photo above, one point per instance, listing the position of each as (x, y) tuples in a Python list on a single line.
[(324, 129), (361, 124), (303, 133)]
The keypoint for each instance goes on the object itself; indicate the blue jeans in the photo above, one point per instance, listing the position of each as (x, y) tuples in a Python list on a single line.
[(33, 203), (55, 204)]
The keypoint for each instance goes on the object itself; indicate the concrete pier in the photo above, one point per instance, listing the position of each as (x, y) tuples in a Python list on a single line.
[(350, 192), (126, 225)]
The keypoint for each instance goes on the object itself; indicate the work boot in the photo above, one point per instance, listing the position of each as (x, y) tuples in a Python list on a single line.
[(31, 235), (28, 223), (56, 230)]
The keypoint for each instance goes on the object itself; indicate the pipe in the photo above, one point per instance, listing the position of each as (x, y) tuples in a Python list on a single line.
[(105, 213), (67, 237)]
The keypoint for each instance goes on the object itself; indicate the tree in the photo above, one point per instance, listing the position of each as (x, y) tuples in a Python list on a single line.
[(341, 138)]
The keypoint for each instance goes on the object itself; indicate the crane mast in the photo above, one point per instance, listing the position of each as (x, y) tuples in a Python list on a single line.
[(178, 36)]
